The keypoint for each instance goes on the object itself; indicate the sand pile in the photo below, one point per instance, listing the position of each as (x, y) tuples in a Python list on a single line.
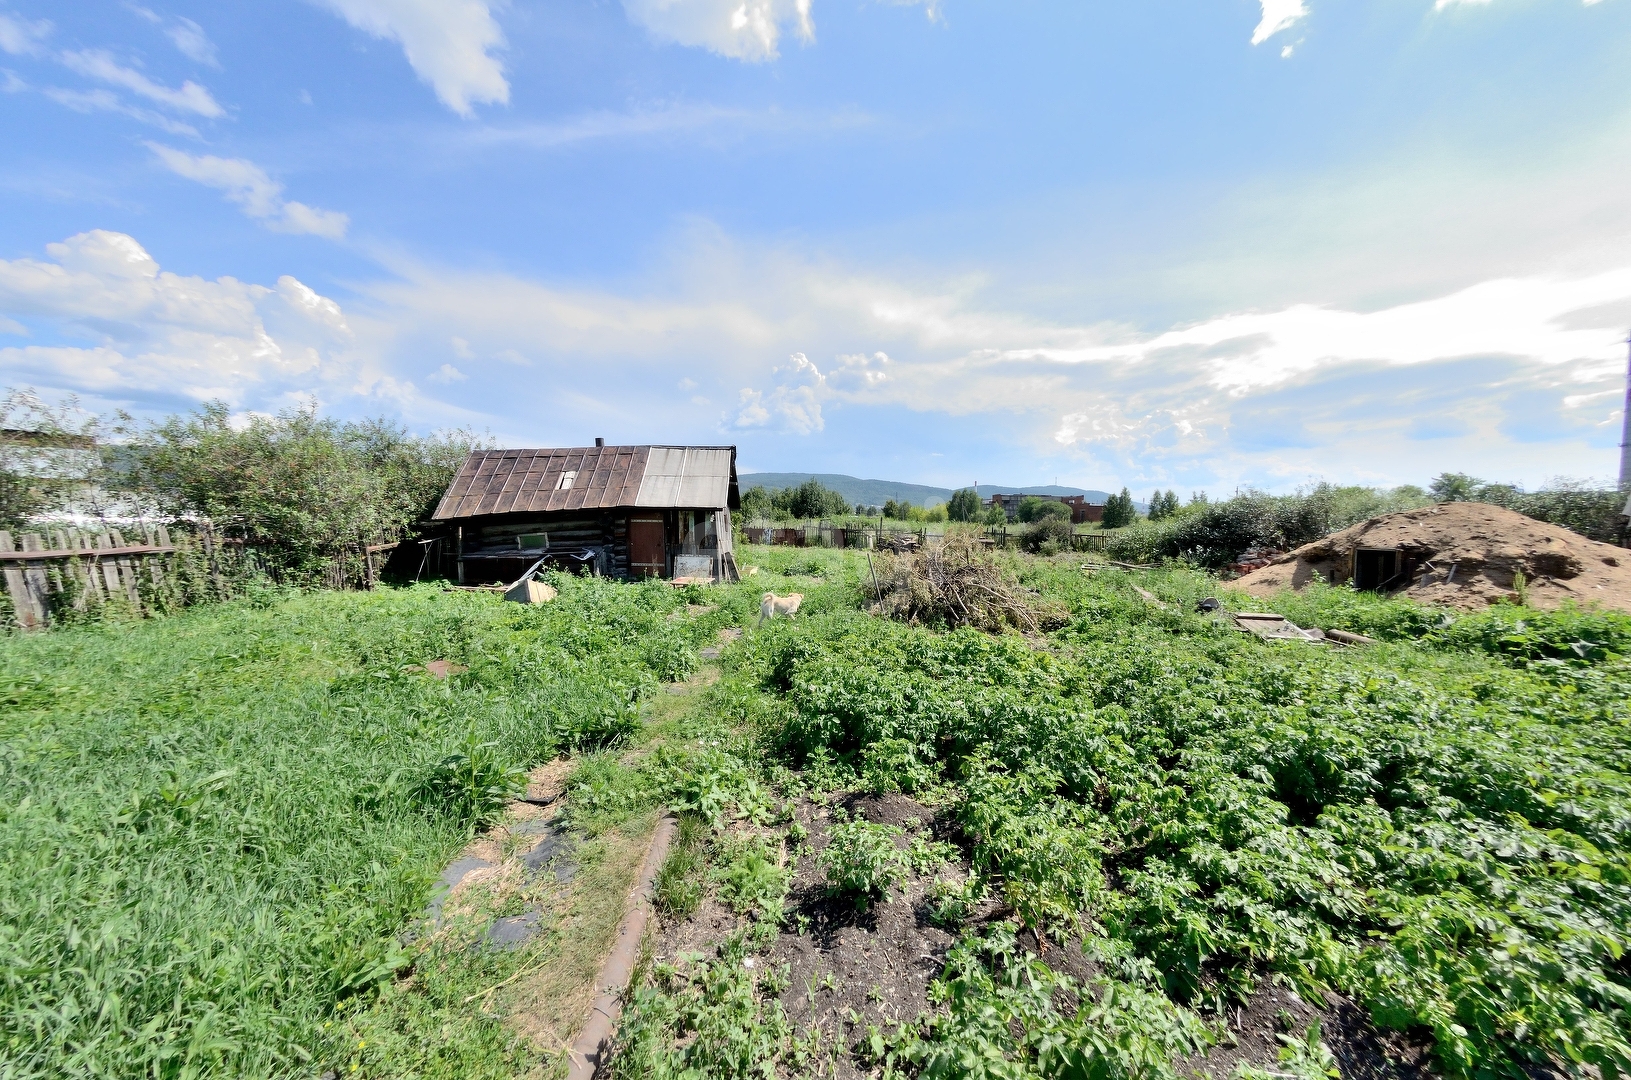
[(1463, 555)]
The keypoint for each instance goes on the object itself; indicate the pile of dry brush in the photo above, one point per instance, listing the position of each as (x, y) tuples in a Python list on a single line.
[(954, 583)]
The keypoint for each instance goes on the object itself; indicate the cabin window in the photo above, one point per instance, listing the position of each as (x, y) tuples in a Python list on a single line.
[(565, 482)]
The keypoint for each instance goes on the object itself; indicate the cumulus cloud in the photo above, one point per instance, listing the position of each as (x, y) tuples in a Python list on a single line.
[(156, 331), (793, 405), (99, 64), (193, 43), (261, 197), (448, 43), (1244, 396), (741, 29), (22, 37), (1278, 15)]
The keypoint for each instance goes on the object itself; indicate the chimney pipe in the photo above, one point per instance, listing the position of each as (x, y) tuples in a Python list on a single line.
[(600, 442)]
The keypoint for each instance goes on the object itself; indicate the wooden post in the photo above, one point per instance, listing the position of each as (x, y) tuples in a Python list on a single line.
[(127, 574), (17, 588), (34, 580)]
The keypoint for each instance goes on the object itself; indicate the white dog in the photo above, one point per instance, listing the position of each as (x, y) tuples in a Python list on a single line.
[(771, 605)]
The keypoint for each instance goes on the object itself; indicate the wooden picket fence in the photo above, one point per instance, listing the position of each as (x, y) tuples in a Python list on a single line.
[(82, 566)]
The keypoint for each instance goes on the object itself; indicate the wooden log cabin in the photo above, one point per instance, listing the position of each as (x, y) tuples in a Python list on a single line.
[(614, 511)]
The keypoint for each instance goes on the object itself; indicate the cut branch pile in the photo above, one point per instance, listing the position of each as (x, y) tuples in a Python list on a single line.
[(954, 583)]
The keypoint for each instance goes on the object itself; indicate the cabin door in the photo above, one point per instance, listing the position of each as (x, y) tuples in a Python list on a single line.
[(648, 553)]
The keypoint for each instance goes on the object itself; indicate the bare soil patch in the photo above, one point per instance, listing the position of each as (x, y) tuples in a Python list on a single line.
[(1463, 555)]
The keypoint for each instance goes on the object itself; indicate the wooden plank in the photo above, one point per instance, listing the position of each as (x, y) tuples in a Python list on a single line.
[(39, 586), (66, 552), (127, 571), (107, 567), (17, 588)]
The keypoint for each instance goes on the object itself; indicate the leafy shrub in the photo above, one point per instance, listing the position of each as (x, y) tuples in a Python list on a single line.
[(473, 784), (670, 658), (861, 858), (891, 765), (952, 903), (750, 877), (1049, 536), (1002, 1005), (700, 1019)]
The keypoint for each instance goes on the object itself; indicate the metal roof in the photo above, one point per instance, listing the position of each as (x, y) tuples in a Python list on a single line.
[(591, 478)]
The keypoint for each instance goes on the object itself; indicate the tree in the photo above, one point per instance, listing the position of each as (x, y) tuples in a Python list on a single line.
[(994, 517), (1036, 508), (757, 503), (964, 505), (298, 488), (897, 511), (811, 499), (1454, 487), (1119, 510), (47, 456)]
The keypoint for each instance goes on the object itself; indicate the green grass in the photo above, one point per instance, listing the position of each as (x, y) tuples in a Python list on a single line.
[(216, 826), (219, 828)]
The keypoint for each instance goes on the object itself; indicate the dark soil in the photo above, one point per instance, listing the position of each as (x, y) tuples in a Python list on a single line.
[(1362, 1051), (849, 968)]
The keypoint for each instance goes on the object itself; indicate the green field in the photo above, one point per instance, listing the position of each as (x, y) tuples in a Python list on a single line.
[(217, 826)]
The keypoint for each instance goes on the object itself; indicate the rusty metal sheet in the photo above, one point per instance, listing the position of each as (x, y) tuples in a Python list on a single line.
[(605, 477)]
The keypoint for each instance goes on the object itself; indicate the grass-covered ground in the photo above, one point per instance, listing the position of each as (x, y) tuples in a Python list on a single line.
[(215, 827), (219, 829)]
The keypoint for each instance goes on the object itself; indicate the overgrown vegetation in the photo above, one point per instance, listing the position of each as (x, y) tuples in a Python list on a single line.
[(297, 488), (1436, 827), (1215, 534), (216, 826)]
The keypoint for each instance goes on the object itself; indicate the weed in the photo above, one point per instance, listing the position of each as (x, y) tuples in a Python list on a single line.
[(861, 859), (750, 877)]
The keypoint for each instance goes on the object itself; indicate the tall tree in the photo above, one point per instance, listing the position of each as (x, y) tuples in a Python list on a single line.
[(964, 505)]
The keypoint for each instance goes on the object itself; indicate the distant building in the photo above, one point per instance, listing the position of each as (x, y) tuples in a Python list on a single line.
[(616, 511), (1080, 509)]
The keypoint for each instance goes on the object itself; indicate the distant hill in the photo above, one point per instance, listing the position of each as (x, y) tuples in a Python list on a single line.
[(878, 492)]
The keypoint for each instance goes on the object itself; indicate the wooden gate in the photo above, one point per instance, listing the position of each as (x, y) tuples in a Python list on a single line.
[(648, 548)]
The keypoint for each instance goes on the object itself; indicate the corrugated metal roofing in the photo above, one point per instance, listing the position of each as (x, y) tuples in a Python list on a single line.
[(591, 478)]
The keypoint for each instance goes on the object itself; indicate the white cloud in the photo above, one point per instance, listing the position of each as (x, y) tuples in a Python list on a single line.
[(261, 197), (448, 43), (159, 332), (194, 44), (20, 36), (931, 8), (100, 64), (86, 101), (446, 375), (794, 405), (741, 29), (1199, 400), (1278, 15)]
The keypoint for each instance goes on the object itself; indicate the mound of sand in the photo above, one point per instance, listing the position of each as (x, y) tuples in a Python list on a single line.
[(1463, 555)]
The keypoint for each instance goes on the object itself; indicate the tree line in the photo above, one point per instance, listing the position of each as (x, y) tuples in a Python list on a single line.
[(298, 488)]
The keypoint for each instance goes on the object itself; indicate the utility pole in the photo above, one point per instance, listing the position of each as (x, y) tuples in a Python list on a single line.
[(1625, 423)]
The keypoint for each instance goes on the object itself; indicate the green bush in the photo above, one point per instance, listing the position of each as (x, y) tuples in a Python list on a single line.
[(750, 876), (861, 859), (472, 784)]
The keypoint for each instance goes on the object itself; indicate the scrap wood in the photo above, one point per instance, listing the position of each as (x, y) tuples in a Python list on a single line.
[(1347, 637), (1274, 627)]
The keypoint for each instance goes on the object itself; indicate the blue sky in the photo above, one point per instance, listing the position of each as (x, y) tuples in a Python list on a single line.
[(1168, 243)]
